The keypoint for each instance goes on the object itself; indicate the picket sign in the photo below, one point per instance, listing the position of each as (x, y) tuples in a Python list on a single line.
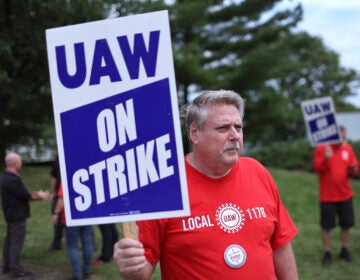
[(320, 120), (117, 121)]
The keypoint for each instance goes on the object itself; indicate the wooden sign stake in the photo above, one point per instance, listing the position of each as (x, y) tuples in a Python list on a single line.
[(130, 230)]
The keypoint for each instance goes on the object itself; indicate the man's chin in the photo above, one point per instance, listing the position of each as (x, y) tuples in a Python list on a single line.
[(232, 158), (232, 153)]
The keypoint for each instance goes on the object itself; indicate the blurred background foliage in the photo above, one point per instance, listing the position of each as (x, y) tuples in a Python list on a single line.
[(296, 155), (251, 46)]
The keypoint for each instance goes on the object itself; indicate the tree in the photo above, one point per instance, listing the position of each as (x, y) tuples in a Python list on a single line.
[(25, 99), (188, 21), (212, 41), (250, 46), (302, 68)]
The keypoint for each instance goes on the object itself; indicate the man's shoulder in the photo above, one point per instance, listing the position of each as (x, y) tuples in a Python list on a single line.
[(347, 145), (250, 162), (320, 146), (6, 175), (9, 175), (9, 178)]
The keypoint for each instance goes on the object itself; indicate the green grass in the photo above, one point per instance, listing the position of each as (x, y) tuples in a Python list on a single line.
[(299, 192), (40, 232)]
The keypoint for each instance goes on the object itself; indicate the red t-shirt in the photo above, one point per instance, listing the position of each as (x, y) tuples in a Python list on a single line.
[(333, 175), (236, 222), (62, 213)]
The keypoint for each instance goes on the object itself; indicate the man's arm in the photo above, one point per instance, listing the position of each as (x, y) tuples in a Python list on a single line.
[(284, 262), (39, 195), (321, 157), (353, 169), (53, 183), (58, 209), (129, 256)]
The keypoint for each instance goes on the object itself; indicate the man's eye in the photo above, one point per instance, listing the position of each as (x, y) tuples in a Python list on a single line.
[(222, 129)]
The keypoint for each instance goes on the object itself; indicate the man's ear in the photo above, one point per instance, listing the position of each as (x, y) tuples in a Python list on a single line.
[(193, 133)]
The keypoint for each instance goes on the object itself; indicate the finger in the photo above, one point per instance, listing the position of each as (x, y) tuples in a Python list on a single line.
[(135, 264), (129, 252), (128, 243)]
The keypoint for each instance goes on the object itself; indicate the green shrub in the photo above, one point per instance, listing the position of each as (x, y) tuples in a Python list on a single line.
[(291, 155)]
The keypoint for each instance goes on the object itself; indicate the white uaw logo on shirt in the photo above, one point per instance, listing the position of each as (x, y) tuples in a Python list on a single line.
[(230, 217)]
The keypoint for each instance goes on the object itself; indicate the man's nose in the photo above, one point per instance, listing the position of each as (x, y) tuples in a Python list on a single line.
[(234, 133)]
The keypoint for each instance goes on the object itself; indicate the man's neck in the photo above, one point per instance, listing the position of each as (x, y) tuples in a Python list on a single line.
[(12, 170), (204, 169)]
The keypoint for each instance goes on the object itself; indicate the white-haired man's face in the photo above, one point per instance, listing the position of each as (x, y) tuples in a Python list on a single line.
[(220, 142)]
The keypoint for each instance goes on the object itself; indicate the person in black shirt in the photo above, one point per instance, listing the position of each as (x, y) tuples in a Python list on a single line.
[(15, 204)]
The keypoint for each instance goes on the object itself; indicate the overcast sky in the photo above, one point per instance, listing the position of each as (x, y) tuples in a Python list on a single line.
[(337, 22)]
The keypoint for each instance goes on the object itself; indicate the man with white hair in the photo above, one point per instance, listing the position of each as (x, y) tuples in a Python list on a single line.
[(238, 228), (15, 203)]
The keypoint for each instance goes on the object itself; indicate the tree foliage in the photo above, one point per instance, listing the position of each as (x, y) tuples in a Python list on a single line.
[(250, 46), (303, 69), (25, 99)]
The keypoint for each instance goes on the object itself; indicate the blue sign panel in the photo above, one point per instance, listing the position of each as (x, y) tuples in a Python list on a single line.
[(123, 179), (324, 129)]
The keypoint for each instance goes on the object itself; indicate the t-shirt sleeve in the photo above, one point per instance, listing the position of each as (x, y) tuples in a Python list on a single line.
[(353, 161), (151, 234), (60, 191), (285, 229), (320, 164)]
